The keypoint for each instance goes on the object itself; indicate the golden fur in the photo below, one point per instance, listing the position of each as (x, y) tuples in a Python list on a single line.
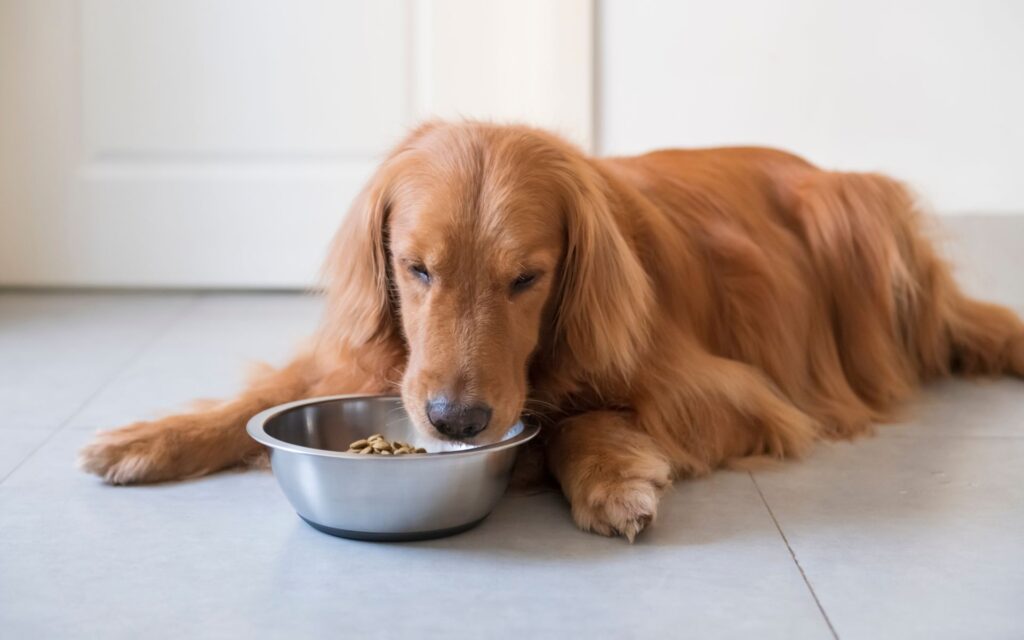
[(687, 309)]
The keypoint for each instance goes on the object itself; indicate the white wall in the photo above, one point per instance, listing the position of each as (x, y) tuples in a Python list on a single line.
[(929, 91), (208, 143)]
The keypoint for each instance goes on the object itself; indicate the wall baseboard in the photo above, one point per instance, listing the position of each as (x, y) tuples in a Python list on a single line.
[(987, 252)]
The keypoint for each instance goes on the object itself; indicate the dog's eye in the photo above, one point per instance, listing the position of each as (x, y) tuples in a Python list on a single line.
[(523, 281), (420, 272)]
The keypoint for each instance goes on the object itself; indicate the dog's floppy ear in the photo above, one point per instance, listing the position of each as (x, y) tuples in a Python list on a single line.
[(604, 308), (361, 307)]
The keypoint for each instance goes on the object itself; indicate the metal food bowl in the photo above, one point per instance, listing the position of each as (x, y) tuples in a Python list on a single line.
[(409, 497)]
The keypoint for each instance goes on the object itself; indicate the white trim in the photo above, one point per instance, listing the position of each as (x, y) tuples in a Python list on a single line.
[(510, 61)]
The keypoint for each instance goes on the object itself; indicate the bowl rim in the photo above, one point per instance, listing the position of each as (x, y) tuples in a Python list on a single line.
[(256, 428)]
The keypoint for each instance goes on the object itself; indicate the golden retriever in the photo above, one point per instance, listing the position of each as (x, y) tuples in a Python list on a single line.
[(660, 315)]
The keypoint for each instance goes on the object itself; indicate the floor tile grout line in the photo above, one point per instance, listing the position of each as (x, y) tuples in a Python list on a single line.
[(129, 361), (792, 554)]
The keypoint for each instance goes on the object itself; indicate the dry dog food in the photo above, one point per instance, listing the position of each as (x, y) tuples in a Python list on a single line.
[(378, 445)]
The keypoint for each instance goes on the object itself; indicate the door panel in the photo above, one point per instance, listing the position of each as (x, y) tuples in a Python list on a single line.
[(215, 143), (300, 79)]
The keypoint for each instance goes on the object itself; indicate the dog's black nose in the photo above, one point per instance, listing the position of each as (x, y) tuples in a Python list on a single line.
[(457, 420)]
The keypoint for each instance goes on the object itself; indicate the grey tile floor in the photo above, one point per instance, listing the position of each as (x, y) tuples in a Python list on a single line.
[(918, 532)]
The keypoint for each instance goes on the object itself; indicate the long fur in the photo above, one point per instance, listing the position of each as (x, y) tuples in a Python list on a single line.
[(708, 306)]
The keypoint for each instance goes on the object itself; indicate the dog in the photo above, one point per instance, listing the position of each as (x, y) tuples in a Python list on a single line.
[(660, 315)]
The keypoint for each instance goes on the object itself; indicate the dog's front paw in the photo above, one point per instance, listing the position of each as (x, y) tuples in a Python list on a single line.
[(135, 454), (623, 507)]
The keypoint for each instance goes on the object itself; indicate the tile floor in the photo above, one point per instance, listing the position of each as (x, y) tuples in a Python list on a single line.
[(918, 533)]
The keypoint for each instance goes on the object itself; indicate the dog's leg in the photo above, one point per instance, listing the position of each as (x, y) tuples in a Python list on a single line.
[(202, 442), (611, 472), (192, 444), (705, 410), (691, 417)]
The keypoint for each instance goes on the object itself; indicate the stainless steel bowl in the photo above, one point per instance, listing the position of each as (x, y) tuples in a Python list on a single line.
[(410, 497)]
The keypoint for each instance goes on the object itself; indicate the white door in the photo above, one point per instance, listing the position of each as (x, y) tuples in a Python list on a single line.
[(218, 143)]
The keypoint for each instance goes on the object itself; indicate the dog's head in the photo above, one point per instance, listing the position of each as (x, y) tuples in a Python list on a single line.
[(475, 246)]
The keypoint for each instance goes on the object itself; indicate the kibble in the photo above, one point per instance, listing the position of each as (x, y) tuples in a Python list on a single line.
[(377, 444)]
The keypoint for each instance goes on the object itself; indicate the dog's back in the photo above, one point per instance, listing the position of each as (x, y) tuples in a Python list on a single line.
[(826, 281)]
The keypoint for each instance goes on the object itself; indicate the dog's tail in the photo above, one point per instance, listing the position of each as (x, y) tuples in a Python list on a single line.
[(897, 313)]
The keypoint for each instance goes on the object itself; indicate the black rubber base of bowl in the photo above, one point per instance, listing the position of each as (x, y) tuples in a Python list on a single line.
[(408, 536)]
